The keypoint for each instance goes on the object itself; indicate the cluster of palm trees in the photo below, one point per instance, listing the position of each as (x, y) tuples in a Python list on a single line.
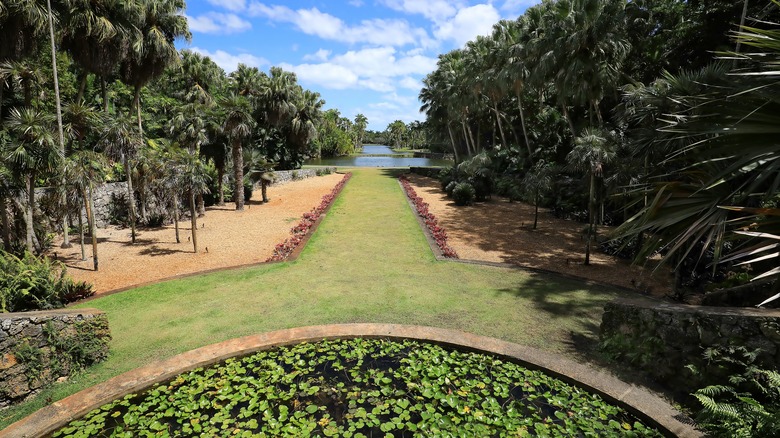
[(116, 90), (628, 98), (338, 135)]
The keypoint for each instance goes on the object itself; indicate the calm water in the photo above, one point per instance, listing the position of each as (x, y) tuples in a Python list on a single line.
[(377, 156)]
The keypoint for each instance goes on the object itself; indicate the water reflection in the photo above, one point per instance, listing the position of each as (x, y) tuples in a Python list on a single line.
[(378, 156)]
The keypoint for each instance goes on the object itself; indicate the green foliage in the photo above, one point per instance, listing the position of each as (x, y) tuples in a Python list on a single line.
[(362, 388), (32, 283), (463, 194), (746, 403)]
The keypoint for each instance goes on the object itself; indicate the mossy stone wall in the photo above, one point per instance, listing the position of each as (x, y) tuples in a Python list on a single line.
[(38, 348)]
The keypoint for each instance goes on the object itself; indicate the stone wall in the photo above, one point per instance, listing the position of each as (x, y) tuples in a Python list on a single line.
[(663, 338), (38, 348), (285, 176)]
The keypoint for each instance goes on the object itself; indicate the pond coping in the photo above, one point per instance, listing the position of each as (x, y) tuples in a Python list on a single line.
[(648, 407)]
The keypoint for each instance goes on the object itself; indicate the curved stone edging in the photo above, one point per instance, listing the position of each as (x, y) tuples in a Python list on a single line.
[(650, 408), (293, 256)]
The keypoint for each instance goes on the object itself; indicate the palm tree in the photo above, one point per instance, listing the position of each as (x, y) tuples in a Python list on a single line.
[(160, 23), (536, 182), (361, 123), (592, 151), (259, 169), (238, 128), (121, 142), (33, 152), (8, 189), (84, 169), (191, 176)]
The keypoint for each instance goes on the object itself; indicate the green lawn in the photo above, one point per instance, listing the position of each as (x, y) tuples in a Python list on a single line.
[(367, 262)]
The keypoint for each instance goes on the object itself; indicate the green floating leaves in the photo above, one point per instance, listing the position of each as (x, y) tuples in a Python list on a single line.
[(360, 387)]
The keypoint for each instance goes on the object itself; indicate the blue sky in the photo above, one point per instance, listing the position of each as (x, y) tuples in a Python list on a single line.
[(362, 56)]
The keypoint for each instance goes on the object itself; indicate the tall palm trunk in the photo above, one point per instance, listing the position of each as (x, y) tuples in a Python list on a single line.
[(81, 237), (29, 212), (61, 136), (452, 140), (500, 128), (137, 105), (92, 227), (130, 197), (522, 123), (471, 135), (238, 174), (591, 216), (194, 221), (176, 216), (220, 179), (466, 137), (568, 119), (6, 223), (536, 208)]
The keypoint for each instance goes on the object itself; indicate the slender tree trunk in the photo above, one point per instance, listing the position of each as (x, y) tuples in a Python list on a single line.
[(137, 104), (596, 110), (104, 91), (220, 180), (466, 137), (201, 205), (741, 26), (6, 223), (194, 221), (568, 119), (500, 128), (471, 135), (522, 123), (81, 236), (30, 208), (238, 174), (82, 85), (130, 198), (454, 147), (92, 227), (591, 217), (144, 213), (176, 216), (536, 208), (264, 189), (61, 136)]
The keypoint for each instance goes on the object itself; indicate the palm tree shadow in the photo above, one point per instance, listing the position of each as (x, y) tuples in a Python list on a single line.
[(155, 251)]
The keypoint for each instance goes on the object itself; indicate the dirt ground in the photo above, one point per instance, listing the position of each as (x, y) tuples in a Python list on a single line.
[(501, 231), (226, 238)]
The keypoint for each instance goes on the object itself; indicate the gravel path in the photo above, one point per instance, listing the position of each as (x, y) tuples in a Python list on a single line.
[(226, 238)]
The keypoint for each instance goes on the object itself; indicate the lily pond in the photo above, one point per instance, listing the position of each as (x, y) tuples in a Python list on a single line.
[(361, 388)]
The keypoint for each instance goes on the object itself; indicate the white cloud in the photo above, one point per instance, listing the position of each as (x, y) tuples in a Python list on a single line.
[(230, 5), (326, 75), (323, 25), (215, 22), (321, 55), (434, 10), (229, 62), (468, 23), (410, 83)]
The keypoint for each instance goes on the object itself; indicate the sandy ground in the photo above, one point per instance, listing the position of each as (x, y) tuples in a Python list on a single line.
[(501, 231), (225, 238)]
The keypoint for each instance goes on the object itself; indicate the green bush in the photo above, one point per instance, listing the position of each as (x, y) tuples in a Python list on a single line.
[(450, 187), (31, 283), (464, 194), (248, 188)]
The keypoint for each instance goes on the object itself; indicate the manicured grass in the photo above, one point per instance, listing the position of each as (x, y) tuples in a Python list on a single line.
[(368, 262)]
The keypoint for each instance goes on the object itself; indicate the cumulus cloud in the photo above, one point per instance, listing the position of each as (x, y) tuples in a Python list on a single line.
[(216, 22), (230, 5), (323, 25), (229, 62), (320, 55), (325, 75), (434, 10), (468, 23)]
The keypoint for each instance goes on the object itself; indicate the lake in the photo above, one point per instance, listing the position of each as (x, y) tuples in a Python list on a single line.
[(378, 156)]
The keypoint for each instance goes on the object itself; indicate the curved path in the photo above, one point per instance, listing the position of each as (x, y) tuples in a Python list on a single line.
[(368, 262)]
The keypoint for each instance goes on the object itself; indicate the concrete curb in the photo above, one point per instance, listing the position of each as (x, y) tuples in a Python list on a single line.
[(650, 408)]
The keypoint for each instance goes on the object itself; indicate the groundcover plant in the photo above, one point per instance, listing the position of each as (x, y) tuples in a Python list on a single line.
[(361, 388)]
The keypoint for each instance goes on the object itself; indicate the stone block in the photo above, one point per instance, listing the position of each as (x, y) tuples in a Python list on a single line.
[(7, 361)]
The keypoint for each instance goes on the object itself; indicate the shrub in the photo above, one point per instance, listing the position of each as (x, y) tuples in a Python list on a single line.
[(319, 172), (248, 188), (464, 194), (31, 283), (294, 175), (450, 187)]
